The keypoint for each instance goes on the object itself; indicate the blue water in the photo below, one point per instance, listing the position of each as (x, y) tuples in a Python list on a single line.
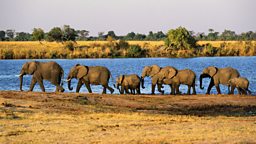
[(9, 71)]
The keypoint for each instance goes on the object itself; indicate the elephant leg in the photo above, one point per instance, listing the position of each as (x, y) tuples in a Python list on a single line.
[(218, 89), (194, 89), (40, 82), (126, 89), (138, 90), (210, 86), (79, 85), (159, 87), (177, 89), (58, 87), (32, 84), (172, 89), (188, 92), (104, 90), (87, 85), (232, 89), (243, 91), (153, 89), (110, 89)]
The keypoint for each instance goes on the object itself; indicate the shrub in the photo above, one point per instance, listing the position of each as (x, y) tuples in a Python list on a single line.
[(69, 45), (180, 38), (135, 51)]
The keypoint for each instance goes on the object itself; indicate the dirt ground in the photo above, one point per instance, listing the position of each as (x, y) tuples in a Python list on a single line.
[(34, 117)]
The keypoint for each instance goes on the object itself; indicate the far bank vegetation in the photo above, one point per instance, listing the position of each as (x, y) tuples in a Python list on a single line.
[(63, 43)]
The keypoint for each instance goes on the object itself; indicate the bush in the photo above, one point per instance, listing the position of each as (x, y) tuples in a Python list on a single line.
[(69, 45), (135, 51), (180, 38)]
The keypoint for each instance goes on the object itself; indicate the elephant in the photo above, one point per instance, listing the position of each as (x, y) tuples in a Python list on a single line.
[(50, 71), (218, 76), (157, 75), (241, 84), (128, 82), (95, 75), (186, 77)]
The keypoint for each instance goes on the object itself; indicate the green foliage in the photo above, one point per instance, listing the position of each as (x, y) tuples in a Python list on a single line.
[(10, 33), (23, 37), (135, 51), (180, 38), (55, 34), (82, 34), (2, 35), (68, 33), (38, 34), (228, 35), (122, 44), (69, 45)]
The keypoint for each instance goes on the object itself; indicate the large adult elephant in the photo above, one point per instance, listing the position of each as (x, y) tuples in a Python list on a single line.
[(186, 77), (218, 76), (95, 75), (157, 75), (50, 71)]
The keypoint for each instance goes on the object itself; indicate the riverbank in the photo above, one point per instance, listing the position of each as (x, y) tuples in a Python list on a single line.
[(116, 49), (35, 117)]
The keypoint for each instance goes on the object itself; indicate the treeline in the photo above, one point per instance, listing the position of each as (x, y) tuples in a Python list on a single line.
[(67, 33)]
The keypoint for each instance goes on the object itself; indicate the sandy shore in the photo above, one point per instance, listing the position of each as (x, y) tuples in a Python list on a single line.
[(35, 117)]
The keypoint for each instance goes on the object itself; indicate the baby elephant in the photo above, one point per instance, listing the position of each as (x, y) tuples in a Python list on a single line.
[(241, 84), (128, 82)]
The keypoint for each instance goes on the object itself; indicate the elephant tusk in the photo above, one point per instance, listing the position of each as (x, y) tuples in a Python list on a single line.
[(68, 80), (20, 75)]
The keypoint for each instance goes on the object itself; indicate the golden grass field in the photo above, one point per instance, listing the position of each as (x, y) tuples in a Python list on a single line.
[(35, 117), (106, 49)]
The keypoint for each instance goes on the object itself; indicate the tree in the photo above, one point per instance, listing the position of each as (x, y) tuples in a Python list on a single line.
[(38, 34), (159, 35), (228, 35), (112, 34), (101, 35), (130, 36), (10, 33), (22, 36), (180, 38), (2, 35), (55, 34), (139, 36), (212, 35), (68, 33), (135, 51), (82, 34)]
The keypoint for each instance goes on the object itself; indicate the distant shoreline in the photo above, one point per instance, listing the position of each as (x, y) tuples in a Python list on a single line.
[(117, 49)]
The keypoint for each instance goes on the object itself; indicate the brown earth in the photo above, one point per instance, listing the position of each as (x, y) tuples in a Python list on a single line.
[(35, 117)]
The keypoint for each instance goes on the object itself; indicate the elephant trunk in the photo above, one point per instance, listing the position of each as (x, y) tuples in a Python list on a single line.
[(142, 82), (21, 81), (201, 80), (69, 83)]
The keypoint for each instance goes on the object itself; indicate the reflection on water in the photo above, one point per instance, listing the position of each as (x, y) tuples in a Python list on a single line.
[(9, 70)]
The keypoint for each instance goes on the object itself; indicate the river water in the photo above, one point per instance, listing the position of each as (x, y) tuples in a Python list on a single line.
[(9, 71)]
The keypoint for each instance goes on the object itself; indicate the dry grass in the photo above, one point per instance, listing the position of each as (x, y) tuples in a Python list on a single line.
[(105, 49), (82, 118)]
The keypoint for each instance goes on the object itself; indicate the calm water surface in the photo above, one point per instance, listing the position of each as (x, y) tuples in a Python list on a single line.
[(9, 71)]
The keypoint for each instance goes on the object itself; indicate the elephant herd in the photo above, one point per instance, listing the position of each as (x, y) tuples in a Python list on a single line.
[(130, 84)]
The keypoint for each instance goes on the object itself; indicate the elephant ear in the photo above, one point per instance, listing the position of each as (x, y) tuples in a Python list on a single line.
[(82, 71), (32, 66), (212, 70), (172, 72), (154, 70)]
